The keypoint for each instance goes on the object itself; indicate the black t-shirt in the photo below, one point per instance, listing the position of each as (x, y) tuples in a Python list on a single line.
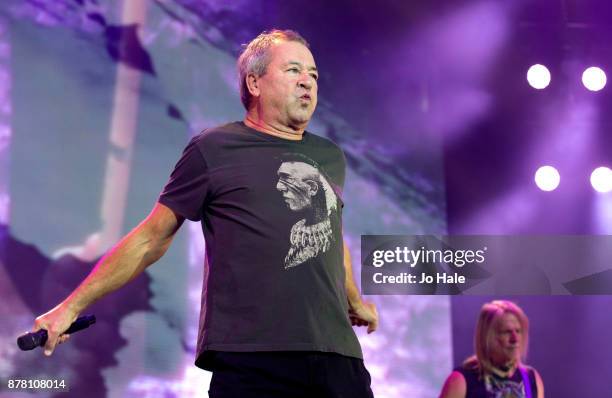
[(270, 210), (497, 386)]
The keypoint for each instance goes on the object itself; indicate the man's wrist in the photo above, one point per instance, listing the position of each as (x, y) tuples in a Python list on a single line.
[(355, 303), (71, 304)]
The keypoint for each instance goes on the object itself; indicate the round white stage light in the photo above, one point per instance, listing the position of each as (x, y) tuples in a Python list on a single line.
[(594, 78), (547, 178), (538, 76), (601, 179)]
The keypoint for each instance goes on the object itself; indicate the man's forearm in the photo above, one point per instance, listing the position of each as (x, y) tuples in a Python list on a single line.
[(139, 249), (120, 265), (360, 313), (352, 293)]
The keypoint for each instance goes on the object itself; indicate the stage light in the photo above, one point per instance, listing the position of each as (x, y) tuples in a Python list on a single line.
[(601, 179), (538, 76), (594, 78), (547, 178)]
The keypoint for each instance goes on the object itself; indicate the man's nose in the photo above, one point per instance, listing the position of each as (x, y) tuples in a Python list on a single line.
[(306, 81)]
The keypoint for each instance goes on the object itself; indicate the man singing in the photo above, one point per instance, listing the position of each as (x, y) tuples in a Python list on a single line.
[(279, 297)]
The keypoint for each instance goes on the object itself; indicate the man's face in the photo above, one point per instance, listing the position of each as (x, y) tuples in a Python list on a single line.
[(508, 340), (288, 89), (295, 185)]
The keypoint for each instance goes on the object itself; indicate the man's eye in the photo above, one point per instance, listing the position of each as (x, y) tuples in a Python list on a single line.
[(314, 76), (293, 70)]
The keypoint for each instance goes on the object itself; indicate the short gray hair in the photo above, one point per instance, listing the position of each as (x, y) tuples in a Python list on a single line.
[(255, 57)]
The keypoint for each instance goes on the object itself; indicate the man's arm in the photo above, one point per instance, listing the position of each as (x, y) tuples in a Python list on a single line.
[(360, 312), (144, 245), (454, 387), (540, 384)]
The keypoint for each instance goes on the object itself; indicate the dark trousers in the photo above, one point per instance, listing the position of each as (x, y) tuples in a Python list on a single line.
[(288, 375)]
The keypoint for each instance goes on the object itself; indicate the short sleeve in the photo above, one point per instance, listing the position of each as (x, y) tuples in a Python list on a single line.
[(186, 190), (337, 173)]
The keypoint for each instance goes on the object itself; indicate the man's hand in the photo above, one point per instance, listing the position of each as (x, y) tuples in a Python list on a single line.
[(361, 313), (364, 314), (55, 322)]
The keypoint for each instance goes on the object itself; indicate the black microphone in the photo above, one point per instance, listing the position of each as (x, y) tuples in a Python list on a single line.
[(29, 341)]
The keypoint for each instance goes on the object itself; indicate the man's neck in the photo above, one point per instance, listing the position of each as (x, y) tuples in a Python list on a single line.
[(506, 370), (278, 130)]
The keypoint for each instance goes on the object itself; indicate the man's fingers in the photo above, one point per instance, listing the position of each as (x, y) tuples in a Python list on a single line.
[(373, 324), (63, 338), (368, 316), (55, 322), (50, 346), (39, 324), (52, 341)]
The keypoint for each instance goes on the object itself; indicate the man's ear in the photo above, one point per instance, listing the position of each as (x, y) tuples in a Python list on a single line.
[(252, 83)]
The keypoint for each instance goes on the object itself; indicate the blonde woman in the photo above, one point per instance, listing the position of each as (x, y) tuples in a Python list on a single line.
[(497, 369)]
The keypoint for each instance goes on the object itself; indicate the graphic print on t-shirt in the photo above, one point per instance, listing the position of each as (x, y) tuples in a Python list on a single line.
[(505, 389), (305, 189)]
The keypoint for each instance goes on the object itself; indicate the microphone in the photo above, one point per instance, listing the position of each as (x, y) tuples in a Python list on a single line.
[(29, 341)]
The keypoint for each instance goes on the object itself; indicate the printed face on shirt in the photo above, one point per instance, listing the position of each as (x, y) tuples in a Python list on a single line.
[(288, 89), (507, 340), (297, 182), (306, 190)]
